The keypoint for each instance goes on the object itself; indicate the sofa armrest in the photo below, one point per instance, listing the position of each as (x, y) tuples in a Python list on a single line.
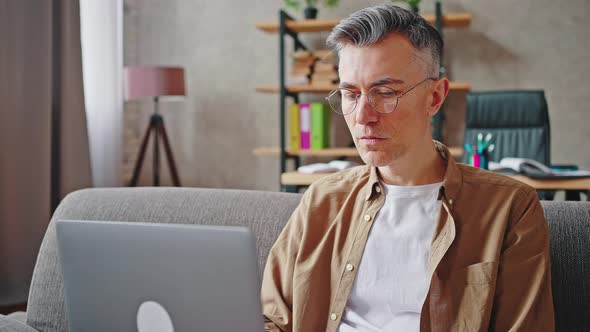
[(11, 324), (18, 315)]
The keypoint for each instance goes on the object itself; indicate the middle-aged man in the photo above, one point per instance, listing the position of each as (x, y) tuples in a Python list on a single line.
[(412, 241)]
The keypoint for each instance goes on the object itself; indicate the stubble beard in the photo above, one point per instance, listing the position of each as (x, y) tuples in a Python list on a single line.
[(383, 156)]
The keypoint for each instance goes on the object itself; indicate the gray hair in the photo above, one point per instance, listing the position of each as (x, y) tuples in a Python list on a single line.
[(371, 25)]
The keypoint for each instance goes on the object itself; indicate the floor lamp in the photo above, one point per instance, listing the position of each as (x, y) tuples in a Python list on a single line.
[(154, 82)]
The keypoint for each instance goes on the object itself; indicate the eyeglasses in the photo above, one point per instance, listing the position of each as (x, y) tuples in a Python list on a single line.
[(382, 99)]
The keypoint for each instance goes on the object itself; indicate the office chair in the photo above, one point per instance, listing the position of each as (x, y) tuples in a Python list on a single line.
[(519, 123)]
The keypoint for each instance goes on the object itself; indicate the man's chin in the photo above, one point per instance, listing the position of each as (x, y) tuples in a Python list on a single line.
[(376, 158)]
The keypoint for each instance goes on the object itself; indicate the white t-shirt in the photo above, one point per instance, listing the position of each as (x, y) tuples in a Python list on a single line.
[(392, 278)]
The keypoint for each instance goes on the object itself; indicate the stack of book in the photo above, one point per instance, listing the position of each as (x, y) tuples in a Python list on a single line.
[(324, 70), (309, 126), (301, 69)]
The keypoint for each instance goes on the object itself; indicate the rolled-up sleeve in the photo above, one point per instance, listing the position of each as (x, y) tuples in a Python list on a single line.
[(277, 282)]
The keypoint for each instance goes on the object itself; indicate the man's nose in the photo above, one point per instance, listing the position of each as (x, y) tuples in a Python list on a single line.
[(365, 113)]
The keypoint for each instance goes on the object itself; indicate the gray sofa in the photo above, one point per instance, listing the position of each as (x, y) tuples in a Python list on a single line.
[(266, 213)]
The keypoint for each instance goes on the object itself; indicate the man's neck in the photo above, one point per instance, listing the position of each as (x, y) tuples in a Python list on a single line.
[(418, 166)]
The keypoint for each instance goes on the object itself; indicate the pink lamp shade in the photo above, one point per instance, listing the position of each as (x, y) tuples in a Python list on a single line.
[(153, 81)]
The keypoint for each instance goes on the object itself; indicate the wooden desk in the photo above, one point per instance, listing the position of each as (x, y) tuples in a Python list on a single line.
[(299, 179), (555, 184)]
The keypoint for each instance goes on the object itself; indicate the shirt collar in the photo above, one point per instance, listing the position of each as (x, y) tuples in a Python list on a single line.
[(453, 176), (373, 184), (451, 183)]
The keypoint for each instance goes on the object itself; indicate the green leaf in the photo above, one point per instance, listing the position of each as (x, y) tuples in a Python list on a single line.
[(331, 3), (296, 4), (292, 4), (412, 3)]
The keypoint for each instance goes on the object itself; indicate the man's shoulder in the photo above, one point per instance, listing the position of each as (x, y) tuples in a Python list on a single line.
[(488, 191), (327, 196), (334, 189), (343, 180), (486, 180)]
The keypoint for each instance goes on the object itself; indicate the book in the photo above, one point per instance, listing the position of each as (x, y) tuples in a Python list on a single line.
[(324, 67), (294, 132), (324, 79), (320, 126), (325, 55), (303, 62), (301, 68), (320, 75), (298, 80), (305, 126)]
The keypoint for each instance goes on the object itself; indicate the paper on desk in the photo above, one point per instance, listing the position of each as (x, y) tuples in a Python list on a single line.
[(333, 166)]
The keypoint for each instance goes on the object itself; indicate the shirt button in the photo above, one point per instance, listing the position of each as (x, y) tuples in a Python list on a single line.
[(349, 267), (451, 201), (367, 217), (333, 316), (378, 189)]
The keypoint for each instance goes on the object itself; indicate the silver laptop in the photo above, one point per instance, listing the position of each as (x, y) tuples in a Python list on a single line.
[(159, 277)]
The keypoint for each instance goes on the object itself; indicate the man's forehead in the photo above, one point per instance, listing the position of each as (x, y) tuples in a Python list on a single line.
[(374, 67), (393, 53), (394, 42)]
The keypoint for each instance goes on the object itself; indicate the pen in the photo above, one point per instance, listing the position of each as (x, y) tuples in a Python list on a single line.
[(468, 148), (491, 148), (488, 139), (479, 142)]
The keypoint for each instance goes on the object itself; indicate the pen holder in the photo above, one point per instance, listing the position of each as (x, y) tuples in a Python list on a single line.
[(480, 160), (479, 154)]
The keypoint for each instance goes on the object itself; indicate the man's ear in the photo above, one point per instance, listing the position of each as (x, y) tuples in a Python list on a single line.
[(439, 94)]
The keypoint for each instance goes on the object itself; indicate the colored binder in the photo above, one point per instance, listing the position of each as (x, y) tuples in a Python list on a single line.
[(305, 126), (294, 133), (320, 126)]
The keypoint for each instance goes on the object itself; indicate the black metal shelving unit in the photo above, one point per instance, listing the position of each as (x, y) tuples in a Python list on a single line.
[(283, 93), (439, 118)]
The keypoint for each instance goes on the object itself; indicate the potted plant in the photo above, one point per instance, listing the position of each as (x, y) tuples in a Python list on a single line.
[(412, 3), (311, 6)]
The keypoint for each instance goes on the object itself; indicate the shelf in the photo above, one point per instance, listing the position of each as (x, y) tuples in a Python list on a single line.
[(451, 20), (555, 184), (331, 152), (310, 88), (299, 26), (456, 152), (299, 179), (298, 88)]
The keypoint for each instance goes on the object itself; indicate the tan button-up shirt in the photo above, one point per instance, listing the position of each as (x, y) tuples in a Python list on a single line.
[(489, 258)]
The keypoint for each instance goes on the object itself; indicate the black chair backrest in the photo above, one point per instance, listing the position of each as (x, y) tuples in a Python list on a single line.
[(518, 121)]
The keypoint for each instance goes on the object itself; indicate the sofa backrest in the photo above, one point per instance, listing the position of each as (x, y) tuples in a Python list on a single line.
[(569, 227), (266, 213)]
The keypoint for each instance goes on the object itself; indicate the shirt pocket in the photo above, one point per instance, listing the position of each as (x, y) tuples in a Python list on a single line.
[(473, 288)]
